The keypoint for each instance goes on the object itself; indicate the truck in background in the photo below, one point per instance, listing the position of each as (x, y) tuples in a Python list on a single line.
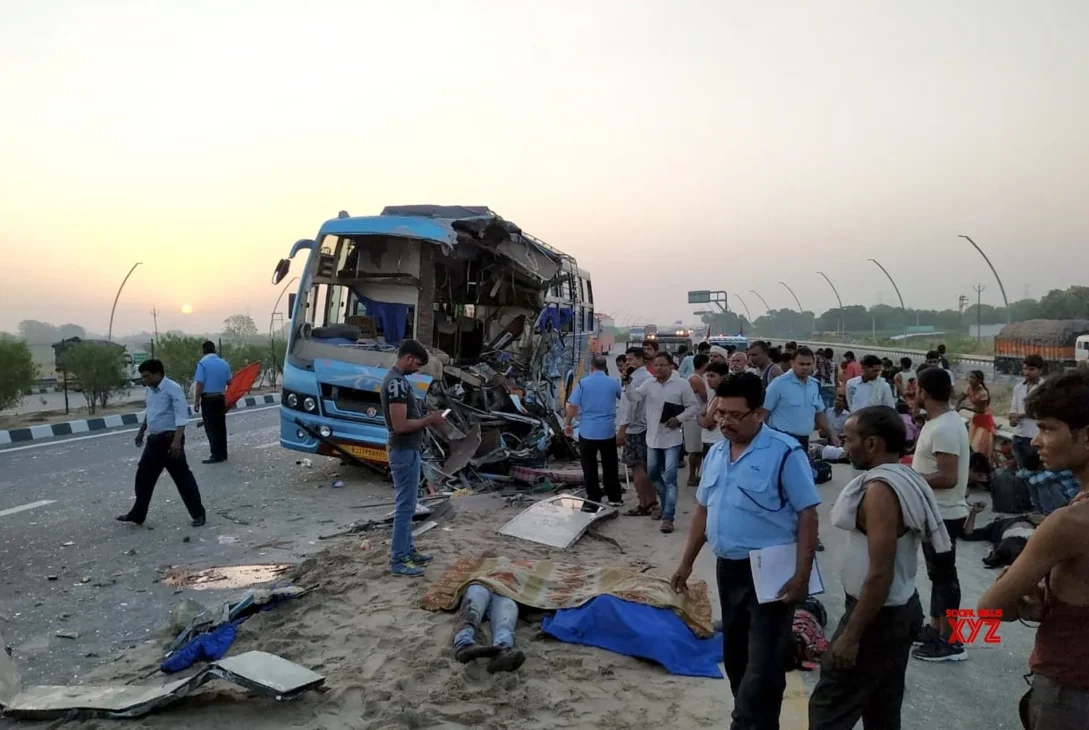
[(604, 334), (1062, 343)]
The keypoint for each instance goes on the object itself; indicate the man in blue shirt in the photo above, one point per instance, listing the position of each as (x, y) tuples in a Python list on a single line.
[(756, 491), (212, 378), (594, 401), (793, 402), (164, 424)]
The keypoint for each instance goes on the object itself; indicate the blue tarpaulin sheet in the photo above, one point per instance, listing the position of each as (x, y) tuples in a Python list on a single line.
[(638, 630)]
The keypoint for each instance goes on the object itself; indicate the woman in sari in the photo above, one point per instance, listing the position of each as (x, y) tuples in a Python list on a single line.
[(981, 431)]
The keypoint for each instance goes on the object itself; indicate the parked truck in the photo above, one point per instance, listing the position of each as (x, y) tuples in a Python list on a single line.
[(1062, 343)]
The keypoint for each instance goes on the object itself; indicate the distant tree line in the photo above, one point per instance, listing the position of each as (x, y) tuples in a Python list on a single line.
[(1072, 303)]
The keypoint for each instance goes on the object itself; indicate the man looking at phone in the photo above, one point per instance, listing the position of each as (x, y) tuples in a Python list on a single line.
[(406, 423)]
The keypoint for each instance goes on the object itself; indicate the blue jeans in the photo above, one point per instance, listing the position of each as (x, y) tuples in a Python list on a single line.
[(405, 468), (662, 469), (479, 603)]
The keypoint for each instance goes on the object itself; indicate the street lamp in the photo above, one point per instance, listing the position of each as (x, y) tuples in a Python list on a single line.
[(793, 295), (1009, 315), (109, 335), (761, 299), (902, 307), (838, 300), (275, 306), (746, 306)]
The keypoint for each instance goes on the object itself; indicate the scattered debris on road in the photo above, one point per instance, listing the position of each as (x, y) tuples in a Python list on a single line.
[(224, 578)]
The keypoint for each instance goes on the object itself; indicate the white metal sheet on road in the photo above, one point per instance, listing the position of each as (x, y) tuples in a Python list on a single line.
[(25, 507)]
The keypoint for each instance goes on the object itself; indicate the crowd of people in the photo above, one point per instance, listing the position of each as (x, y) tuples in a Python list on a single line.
[(745, 420)]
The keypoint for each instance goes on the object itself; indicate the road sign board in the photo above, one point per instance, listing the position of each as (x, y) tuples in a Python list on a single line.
[(702, 296)]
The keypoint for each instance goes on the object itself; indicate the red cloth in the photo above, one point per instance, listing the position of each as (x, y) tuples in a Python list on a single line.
[(241, 384)]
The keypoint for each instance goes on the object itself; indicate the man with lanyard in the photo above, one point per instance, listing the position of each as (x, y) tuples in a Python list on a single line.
[(793, 402), (1023, 451), (760, 359), (756, 492), (594, 400), (405, 423), (212, 378), (164, 424)]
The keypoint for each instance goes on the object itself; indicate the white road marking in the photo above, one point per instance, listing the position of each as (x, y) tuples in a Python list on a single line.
[(25, 507), (62, 442), (267, 446)]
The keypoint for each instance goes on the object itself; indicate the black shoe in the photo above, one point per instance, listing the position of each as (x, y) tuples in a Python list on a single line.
[(941, 651), (820, 545), (472, 652), (199, 521), (507, 660), (927, 635), (212, 460), (128, 518)]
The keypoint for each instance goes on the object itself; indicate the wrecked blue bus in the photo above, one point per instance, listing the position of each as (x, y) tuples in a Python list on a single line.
[(508, 321)]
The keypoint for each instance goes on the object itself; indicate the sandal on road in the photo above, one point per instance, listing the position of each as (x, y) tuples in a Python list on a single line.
[(667, 526)]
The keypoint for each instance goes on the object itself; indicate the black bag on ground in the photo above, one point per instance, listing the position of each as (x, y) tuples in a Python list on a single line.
[(1009, 493), (822, 471)]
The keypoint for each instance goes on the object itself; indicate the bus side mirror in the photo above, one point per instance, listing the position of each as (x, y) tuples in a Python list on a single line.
[(281, 270)]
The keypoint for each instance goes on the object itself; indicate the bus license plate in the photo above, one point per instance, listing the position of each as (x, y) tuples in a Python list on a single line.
[(366, 453)]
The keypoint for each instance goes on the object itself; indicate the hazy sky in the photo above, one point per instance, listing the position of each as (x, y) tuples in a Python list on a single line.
[(667, 145)]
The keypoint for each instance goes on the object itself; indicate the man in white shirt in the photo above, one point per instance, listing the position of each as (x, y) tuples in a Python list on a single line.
[(934, 360), (669, 402), (869, 389), (1025, 429), (942, 456), (631, 435)]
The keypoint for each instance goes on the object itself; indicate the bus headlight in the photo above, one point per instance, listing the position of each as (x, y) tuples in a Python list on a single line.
[(293, 401), (309, 404)]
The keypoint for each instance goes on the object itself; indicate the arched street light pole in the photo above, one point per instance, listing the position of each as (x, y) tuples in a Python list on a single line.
[(838, 300), (766, 307), (796, 301), (898, 295), (1009, 315), (109, 335), (746, 306), (275, 306)]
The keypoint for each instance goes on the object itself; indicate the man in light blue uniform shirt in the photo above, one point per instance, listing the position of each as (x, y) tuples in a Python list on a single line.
[(212, 378), (794, 403), (594, 401), (756, 491), (164, 424)]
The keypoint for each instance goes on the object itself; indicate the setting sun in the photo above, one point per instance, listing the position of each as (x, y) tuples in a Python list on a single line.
[(187, 309)]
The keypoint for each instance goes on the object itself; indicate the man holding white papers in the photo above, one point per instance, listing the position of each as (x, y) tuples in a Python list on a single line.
[(886, 511), (756, 492)]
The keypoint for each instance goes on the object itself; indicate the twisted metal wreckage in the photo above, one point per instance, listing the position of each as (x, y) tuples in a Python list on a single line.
[(506, 393)]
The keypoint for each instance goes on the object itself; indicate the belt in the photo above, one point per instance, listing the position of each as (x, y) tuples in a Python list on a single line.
[(212, 395)]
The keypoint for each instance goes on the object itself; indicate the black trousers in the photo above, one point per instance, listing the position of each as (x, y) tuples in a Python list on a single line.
[(941, 568), (214, 411), (610, 468), (757, 637), (155, 458), (873, 689)]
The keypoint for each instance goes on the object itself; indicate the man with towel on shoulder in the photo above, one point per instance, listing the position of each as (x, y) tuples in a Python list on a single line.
[(887, 512)]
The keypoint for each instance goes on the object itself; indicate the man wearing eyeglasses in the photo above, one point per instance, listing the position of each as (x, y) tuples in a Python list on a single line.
[(756, 491)]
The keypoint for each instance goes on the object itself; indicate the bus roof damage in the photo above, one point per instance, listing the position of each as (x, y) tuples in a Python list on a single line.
[(504, 315)]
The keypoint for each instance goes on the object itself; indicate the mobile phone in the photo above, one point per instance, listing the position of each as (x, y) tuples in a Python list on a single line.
[(446, 413)]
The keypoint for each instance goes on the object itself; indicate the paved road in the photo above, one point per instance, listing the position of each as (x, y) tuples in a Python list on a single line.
[(107, 585), (57, 504)]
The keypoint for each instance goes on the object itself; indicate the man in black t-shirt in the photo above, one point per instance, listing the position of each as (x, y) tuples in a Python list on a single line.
[(405, 422)]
